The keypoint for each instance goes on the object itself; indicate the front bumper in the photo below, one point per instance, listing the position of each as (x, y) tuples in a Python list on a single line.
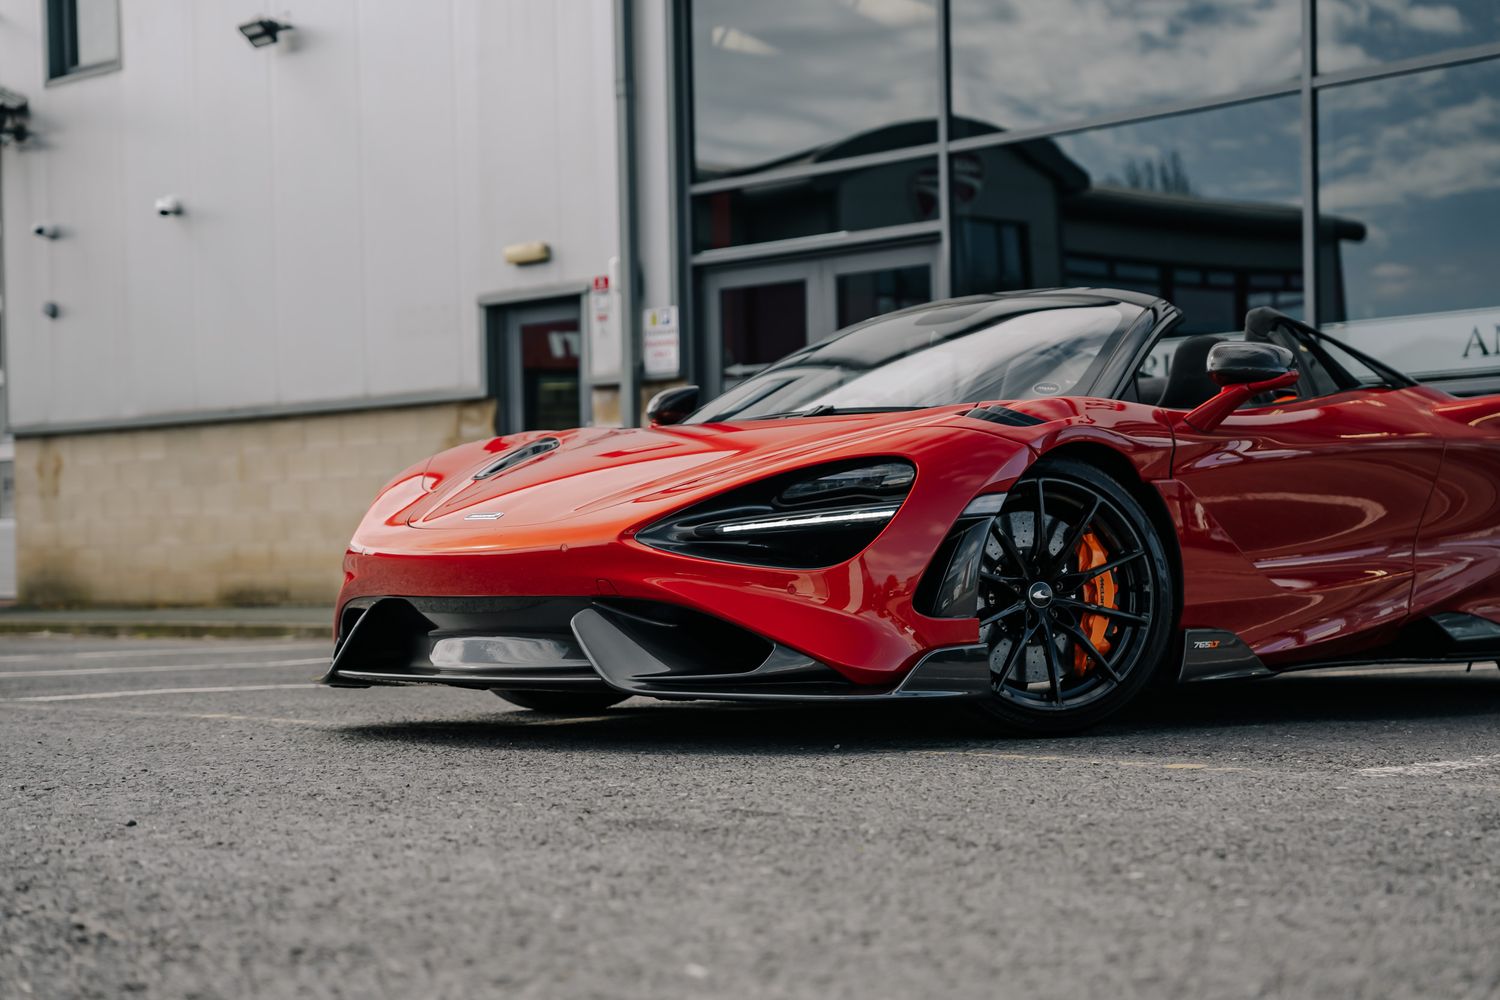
[(635, 647)]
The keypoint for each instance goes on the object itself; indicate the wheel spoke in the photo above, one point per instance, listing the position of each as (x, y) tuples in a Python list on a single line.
[(1009, 581), (1099, 609), (1075, 535), (1083, 640), (1085, 575), (1054, 669), (1011, 552), (1038, 544), (1001, 615), (1016, 650)]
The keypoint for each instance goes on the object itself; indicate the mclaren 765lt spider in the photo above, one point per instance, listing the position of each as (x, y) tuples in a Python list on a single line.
[(1036, 502)]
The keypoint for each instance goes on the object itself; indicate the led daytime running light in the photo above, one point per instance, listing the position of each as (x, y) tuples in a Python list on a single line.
[(811, 520)]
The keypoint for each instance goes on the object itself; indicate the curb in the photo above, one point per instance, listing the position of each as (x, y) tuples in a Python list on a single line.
[(186, 630)]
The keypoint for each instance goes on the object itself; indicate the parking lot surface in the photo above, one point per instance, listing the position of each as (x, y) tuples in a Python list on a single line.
[(195, 818)]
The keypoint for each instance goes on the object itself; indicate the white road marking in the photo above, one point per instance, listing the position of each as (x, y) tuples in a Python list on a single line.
[(141, 693), (160, 668), (1435, 766), (196, 650)]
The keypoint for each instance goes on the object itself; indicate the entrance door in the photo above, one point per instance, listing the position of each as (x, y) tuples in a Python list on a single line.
[(534, 354), (758, 314)]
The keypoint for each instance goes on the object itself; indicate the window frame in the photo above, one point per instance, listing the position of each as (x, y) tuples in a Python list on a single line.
[(56, 15)]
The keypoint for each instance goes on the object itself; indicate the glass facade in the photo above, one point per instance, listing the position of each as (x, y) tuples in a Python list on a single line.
[(1203, 209), (889, 194), (1353, 33), (1194, 149), (777, 82), (1033, 63)]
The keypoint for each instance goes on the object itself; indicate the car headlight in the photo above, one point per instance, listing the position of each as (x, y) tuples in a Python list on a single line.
[(803, 520)]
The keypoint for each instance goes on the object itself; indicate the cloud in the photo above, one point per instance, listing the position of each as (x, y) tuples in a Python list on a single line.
[(1021, 64), (1422, 148)]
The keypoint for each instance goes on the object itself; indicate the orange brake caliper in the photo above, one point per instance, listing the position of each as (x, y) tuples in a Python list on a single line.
[(1101, 590)]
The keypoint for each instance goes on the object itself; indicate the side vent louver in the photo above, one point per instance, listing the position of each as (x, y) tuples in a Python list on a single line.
[(525, 453)]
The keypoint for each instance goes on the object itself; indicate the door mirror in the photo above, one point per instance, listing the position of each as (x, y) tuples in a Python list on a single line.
[(1238, 363), (672, 406), (1242, 370)]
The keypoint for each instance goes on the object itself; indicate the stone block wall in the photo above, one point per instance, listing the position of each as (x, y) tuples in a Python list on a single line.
[(242, 512)]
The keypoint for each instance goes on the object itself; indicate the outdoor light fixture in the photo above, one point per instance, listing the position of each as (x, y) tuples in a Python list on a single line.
[(528, 253), (263, 31)]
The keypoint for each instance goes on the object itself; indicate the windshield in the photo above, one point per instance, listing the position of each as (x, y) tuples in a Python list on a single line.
[(964, 351)]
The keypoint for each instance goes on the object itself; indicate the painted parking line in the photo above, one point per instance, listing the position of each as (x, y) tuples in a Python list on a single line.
[(163, 668), (144, 692), (1431, 767), (127, 651)]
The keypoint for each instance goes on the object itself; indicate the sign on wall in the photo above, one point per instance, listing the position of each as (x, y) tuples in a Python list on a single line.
[(604, 330), (662, 343), (1466, 342)]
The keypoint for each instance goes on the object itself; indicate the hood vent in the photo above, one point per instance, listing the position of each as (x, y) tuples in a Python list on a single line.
[(1005, 415), (523, 454)]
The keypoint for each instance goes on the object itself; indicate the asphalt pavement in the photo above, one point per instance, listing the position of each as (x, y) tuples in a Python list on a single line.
[(193, 818)]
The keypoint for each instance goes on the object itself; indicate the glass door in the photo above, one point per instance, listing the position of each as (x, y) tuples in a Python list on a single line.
[(535, 353), (758, 314)]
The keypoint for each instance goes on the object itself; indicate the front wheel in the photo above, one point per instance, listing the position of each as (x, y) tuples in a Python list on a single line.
[(563, 702), (1075, 600)]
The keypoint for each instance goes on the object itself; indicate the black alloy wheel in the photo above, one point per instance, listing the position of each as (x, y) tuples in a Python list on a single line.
[(1075, 599)]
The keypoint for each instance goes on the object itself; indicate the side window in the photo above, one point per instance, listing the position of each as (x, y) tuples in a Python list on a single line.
[(1360, 374)]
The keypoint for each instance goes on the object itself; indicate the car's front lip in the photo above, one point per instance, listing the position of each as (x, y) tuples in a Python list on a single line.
[(639, 649)]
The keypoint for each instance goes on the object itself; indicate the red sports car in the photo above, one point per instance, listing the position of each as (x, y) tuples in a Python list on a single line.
[(1036, 502)]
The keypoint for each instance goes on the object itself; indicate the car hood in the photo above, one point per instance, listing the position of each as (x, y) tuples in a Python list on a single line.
[(595, 468)]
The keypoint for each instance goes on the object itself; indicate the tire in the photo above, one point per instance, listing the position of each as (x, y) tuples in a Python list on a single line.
[(1078, 618), (563, 702)]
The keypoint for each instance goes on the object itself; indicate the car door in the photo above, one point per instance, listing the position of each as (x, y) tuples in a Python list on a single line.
[(1307, 508)]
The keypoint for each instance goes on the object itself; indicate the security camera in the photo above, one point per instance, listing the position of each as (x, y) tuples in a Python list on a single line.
[(169, 204), (46, 230)]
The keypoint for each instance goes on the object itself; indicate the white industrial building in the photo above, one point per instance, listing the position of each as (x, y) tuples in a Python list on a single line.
[(256, 261)]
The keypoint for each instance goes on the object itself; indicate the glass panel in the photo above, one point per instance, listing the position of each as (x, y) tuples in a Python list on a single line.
[(887, 195), (1027, 63), (783, 81), (1360, 32), (761, 324), (549, 374), (873, 293), (98, 32), (1411, 167), (1202, 209), (1361, 372)]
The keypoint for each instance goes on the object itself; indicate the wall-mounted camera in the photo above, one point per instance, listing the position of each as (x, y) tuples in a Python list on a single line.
[(46, 231), (169, 204)]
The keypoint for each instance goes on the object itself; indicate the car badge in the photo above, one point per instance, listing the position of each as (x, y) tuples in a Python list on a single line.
[(485, 515)]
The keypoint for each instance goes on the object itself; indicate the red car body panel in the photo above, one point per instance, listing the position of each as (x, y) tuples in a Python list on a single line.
[(1311, 529)]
